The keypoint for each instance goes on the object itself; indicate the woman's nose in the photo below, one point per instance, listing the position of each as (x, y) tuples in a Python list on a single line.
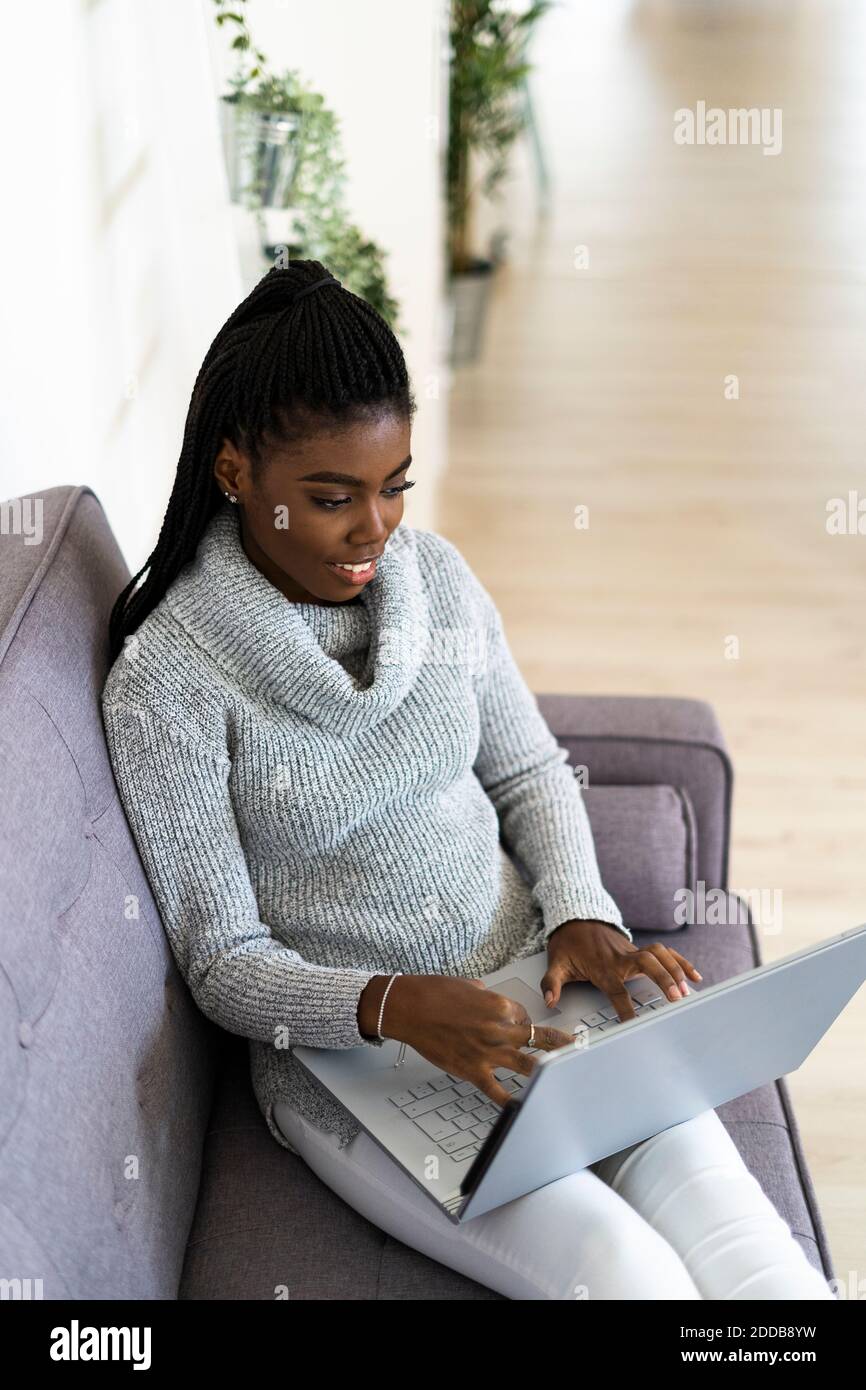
[(372, 531)]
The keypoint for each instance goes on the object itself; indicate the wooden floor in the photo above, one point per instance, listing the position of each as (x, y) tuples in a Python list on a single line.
[(605, 386)]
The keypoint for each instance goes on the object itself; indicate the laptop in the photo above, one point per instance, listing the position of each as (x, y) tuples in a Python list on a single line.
[(616, 1084)]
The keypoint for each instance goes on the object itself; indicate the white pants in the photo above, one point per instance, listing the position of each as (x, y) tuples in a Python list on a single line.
[(678, 1216)]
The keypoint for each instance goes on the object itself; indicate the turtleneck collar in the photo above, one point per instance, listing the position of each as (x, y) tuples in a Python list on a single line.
[(270, 647)]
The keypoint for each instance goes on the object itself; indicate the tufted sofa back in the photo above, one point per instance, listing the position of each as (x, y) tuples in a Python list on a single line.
[(106, 1065)]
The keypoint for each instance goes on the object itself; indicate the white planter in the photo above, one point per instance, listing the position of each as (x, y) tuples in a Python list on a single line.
[(469, 292)]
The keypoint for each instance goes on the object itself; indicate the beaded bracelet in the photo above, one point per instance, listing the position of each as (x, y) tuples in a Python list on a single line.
[(382, 1005), (401, 1055)]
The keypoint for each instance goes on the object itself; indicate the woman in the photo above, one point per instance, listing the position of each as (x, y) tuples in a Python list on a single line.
[(323, 745)]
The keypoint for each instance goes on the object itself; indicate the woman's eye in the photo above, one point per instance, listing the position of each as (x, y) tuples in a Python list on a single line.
[(332, 502)]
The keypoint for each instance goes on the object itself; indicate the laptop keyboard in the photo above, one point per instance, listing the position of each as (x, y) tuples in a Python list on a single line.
[(457, 1117)]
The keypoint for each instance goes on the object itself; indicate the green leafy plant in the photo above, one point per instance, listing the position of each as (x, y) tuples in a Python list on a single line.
[(320, 228), (488, 66), (241, 44)]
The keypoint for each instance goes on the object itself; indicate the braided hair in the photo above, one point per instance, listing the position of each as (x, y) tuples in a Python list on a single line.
[(276, 371)]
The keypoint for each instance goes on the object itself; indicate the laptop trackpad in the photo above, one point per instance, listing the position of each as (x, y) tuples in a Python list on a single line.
[(524, 994)]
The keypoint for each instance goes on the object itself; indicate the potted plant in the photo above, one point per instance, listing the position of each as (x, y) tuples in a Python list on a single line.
[(259, 124), (282, 146), (260, 139), (486, 114)]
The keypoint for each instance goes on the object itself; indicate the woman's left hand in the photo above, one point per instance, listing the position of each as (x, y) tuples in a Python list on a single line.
[(599, 953)]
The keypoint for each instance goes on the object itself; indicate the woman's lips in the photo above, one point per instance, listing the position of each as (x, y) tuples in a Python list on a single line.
[(363, 577)]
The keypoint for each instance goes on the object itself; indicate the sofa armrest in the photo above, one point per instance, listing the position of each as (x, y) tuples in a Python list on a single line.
[(640, 739)]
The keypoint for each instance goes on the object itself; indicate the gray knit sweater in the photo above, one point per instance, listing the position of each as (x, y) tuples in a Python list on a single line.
[(320, 794)]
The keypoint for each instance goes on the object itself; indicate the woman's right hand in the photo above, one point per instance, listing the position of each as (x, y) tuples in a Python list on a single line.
[(465, 1028)]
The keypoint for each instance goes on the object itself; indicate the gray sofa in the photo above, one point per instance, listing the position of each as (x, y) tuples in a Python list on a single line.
[(135, 1163)]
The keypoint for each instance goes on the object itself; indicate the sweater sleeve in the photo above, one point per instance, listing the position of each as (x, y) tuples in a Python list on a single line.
[(542, 815), (175, 793)]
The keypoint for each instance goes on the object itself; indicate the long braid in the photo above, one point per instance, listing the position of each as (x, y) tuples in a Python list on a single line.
[(276, 369)]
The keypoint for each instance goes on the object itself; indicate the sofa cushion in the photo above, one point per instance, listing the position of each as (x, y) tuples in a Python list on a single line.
[(321, 1248), (106, 1069), (653, 740), (645, 843)]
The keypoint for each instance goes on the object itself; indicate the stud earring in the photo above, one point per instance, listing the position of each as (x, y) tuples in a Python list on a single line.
[(229, 496)]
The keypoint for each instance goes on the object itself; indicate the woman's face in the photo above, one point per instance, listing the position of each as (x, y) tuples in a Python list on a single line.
[(334, 499)]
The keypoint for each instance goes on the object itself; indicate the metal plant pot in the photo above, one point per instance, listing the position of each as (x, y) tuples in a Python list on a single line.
[(470, 296), (499, 246), (261, 152)]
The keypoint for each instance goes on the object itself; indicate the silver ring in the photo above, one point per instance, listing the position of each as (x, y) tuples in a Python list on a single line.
[(531, 1035)]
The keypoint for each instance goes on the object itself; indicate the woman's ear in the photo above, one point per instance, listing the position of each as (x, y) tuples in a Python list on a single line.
[(227, 467)]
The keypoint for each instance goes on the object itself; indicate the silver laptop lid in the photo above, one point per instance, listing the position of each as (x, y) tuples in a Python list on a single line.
[(712, 1046)]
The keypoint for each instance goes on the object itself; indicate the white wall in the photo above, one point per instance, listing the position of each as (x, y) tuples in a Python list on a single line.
[(380, 66), (117, 258), (119, 254)]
